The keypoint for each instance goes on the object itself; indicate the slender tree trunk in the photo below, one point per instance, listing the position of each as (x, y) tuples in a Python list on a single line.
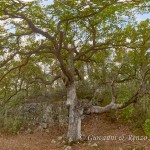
[(75, 112)]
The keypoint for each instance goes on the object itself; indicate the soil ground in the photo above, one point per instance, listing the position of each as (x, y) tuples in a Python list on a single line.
[(99, 126)]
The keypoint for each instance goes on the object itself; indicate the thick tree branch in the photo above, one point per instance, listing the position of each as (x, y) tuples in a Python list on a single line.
[(35, 29), (45, 82), (30, 23), (88, 108), (64, 67)]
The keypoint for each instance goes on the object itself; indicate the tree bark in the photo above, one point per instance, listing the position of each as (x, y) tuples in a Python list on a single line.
[(75, 113)]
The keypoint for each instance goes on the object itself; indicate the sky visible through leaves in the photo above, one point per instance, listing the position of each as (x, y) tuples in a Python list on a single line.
[(138, 17)]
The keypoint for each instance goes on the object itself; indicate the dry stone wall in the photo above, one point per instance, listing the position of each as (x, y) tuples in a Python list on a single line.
[(44, 112)]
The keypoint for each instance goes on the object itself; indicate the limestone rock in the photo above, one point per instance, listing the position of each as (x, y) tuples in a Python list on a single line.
[(29, 131), (94, 145), (44, 125), (68, 148), (53, 141), (60, 138), (47, 131)]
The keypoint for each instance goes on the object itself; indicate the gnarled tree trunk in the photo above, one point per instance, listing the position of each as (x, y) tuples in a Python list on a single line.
[(75, 112)]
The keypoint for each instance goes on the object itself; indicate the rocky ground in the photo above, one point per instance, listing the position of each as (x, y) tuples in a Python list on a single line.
[(100, 132)]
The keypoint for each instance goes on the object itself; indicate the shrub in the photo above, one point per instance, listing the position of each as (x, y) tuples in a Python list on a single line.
[(11, 124), (146, 127)]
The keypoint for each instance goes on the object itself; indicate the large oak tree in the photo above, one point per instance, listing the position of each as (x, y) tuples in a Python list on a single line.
[(68, 35)]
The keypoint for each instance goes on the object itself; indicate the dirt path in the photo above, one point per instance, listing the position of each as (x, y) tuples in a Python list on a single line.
[(94, 127)]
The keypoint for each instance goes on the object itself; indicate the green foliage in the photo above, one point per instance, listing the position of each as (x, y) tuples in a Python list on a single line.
[(124, 93), (84, 90), (10, 124), (125, 115), (146, 127)]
